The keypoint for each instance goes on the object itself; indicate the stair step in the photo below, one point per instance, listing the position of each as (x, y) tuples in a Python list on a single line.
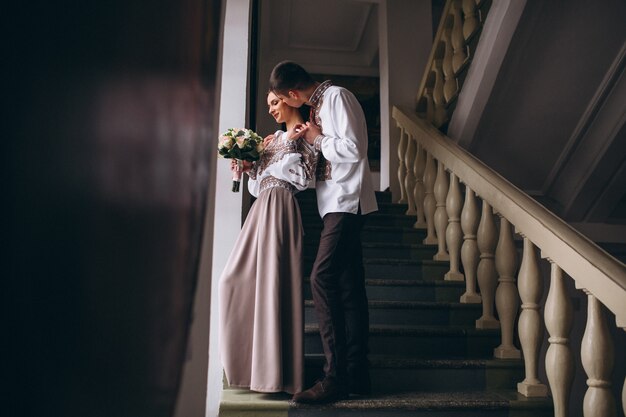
[(407, 290), (373, 234), (425, 269), (236, 402), (501, 403), (411, 269), (390, 250), (392, 234), (395, 250), (436, 313), (309, 195), (403, 373), (310, 219), (451, 342), (386, 207), (309, 208), (383, 196)]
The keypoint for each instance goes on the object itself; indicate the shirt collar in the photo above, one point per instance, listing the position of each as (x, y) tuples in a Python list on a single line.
[(319, 91)]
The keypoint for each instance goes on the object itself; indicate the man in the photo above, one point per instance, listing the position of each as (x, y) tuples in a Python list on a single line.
[(338, 131)]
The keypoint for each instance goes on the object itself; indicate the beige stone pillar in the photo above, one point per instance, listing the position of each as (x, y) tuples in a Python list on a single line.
[(559, 316), (430, 205), (454, 234), (402, 165), (469, 251), (507, 300), (441, 215), (419, 191), (409, 179), (596, 353), (487, 275)]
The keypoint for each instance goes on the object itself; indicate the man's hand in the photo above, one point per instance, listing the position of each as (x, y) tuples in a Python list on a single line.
[(308, 131), (311, 132)]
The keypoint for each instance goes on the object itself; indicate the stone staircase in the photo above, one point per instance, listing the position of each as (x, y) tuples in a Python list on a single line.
[(426, 356)]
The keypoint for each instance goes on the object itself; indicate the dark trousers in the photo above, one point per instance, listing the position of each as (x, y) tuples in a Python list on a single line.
[(338, 286)]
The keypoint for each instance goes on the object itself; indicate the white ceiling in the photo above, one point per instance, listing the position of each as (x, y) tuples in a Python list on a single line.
[(328, 36)]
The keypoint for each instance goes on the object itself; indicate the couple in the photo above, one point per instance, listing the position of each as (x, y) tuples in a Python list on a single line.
[(261, 308)]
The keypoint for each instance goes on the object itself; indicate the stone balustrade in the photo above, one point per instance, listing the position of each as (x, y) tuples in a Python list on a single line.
[(452, 52), (465, 230)]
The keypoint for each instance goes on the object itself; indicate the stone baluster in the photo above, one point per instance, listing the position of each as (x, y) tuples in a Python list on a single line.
[(471, 23), (409, 179), (460, 58), (441, 116), (487, 275), (419, 191), (430, 205), (430, 105), (558, 315), (402, 165), (530, 285), (437, 71), (441, 215), (507, 301), (469, 251), (596, 353), (454, 234), (450, 85)]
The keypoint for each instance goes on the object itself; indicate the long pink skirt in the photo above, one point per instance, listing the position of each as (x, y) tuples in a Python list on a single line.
[(261, 308)]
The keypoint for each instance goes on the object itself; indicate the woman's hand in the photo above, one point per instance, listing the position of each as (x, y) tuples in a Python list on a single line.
[(246, 166), (267, 140), (296, 132)]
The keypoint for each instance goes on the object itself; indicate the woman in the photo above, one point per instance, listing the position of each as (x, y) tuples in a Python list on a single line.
[(261, 308)]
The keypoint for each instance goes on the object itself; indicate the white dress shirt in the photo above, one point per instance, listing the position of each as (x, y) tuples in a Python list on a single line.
[(343, 144)]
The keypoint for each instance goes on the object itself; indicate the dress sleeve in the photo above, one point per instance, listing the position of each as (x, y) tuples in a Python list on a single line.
[(253, 186), (253, 171), (290, 167), (349, 144)]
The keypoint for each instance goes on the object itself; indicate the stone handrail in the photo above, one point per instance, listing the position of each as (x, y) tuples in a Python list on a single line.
[(434, 167)]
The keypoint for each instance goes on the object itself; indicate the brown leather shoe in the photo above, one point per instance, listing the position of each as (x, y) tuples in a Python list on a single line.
[(325, 391)]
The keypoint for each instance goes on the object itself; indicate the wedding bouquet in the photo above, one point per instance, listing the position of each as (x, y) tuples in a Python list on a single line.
[(242, 145)]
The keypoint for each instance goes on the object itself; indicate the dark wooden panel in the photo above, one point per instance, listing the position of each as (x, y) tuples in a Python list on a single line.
[(110, 109)]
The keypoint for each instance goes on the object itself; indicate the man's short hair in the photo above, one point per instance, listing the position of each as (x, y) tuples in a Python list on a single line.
[(287, 76)]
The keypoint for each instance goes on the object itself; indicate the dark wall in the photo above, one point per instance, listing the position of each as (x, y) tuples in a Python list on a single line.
[(557, 59), (108, 122), (437, 11)]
